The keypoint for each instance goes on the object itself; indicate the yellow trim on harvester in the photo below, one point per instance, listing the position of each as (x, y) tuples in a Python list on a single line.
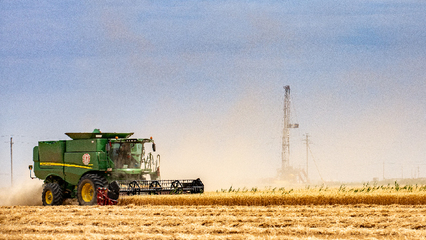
[(64, 165)]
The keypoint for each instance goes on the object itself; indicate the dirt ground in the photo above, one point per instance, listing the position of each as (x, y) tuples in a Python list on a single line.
[(213, 222)]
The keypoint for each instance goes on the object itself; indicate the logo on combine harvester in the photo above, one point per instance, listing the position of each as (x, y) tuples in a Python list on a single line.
[(86, 159)]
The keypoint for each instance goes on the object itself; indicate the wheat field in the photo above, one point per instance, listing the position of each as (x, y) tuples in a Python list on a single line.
[(379, 195), (231, 214)]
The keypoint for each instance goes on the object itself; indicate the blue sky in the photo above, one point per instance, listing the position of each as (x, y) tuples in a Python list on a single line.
[(205, 79)]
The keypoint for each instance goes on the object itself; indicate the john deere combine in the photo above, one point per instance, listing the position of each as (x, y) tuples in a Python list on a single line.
[(96, 168)]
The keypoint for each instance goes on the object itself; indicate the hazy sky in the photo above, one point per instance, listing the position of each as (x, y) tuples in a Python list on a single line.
[(205, 79)]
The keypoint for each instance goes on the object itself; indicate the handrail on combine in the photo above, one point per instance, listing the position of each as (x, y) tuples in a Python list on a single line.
[(149, 162)]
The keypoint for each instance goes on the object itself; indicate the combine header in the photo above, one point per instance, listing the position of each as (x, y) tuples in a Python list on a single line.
[(99, 167), (161, 187)]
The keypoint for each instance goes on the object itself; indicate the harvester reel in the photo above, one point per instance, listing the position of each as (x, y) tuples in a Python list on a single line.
[(156, 186), (177, 187), (133, 185)]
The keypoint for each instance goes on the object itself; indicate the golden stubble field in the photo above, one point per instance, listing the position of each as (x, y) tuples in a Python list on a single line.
[(330, 214), (213, 222)]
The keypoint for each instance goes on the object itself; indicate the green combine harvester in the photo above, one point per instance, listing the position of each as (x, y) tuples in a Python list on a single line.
[(96, 168)]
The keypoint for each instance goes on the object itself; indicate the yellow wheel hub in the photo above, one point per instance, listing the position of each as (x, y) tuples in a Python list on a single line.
[(48, 197), (87, 192)]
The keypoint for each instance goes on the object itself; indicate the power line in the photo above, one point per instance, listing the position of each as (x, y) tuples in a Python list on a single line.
[(306, 140), (313, 158)]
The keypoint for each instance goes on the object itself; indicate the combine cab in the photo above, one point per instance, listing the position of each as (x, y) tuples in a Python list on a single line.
[(96, 168)]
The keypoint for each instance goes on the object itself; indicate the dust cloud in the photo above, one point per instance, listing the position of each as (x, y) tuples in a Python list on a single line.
[(239, 145), (22, 194), (235, 146)]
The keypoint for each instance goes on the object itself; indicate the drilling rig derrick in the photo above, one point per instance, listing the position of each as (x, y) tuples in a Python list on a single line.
[(287, 172)]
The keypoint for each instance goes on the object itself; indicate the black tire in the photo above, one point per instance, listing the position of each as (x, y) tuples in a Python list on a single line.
[(52, 195), (87, 188)]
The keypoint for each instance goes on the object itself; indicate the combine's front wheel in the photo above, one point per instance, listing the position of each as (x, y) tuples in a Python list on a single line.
[(52, 194), (87, 186)]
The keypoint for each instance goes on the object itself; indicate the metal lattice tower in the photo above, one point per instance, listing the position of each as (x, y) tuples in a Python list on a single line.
[(285, 154)]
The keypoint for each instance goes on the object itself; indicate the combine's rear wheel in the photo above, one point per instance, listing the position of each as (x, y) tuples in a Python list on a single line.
[(87, 186), (52, 194)]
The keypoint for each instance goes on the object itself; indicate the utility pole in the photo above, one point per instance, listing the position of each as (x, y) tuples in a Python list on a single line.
[(307, 154), (11, 161), (383, 169)]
